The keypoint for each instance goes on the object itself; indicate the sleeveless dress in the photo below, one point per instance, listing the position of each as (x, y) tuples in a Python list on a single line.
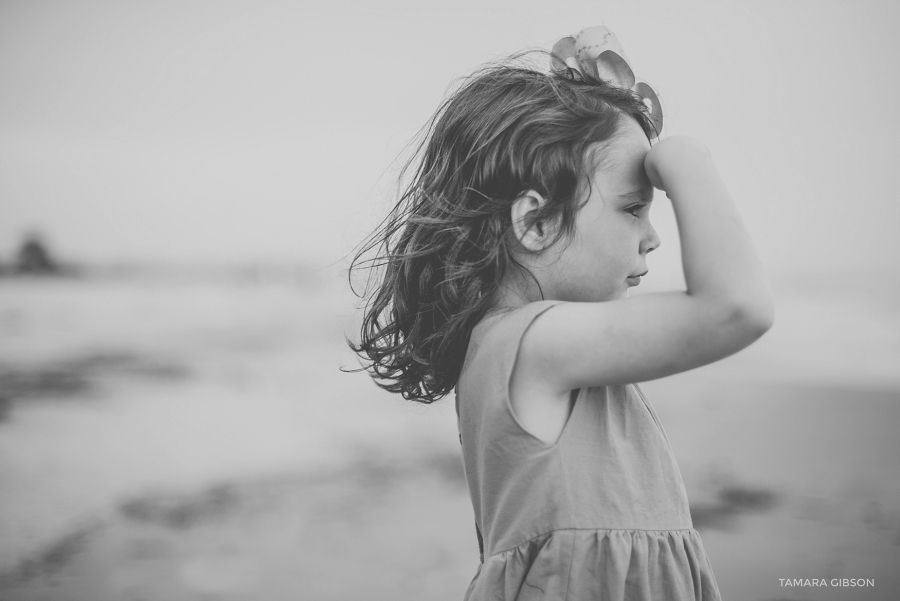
[(600, 515)]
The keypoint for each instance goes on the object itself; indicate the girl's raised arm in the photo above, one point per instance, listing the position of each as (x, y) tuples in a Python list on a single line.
[(726, 307)]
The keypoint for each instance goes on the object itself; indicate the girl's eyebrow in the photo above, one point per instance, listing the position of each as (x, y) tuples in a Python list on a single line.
[(638, 196)]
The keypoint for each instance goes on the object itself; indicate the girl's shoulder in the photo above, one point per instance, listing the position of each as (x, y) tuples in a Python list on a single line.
[(498, 325), (495, 341), (485, 384)]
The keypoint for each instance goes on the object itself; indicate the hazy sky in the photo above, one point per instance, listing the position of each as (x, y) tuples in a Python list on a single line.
[(267, 130)]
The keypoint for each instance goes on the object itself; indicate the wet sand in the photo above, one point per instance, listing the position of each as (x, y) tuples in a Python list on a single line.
[(373, 530), (789, 481), (772, 500)]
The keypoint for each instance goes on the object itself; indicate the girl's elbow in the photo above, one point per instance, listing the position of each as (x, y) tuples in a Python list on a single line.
[(755, 318)]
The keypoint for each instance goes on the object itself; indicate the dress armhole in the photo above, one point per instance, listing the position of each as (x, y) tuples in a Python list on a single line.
[(519, 322)]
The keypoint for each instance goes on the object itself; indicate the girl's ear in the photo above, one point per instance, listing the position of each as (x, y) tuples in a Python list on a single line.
[(538, 235)]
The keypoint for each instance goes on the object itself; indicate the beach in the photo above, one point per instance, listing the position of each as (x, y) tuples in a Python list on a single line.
[(169, 436)]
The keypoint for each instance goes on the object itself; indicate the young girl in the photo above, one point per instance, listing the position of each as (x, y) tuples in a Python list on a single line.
[(508, 263)]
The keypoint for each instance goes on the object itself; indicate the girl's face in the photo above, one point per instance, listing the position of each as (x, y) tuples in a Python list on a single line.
[(613, 234)]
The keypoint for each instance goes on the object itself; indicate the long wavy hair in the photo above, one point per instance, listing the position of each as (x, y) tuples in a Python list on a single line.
[(447, 243)]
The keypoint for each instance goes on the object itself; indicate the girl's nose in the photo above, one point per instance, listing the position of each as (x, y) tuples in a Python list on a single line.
[(651, 240)]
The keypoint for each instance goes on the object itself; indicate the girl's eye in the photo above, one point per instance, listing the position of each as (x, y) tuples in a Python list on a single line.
[(634, 210)]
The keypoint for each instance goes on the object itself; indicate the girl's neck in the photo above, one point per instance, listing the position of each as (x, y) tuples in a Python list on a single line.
[(512, 295)]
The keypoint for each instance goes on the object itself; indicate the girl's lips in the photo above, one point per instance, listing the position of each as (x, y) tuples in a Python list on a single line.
[(635, 280)]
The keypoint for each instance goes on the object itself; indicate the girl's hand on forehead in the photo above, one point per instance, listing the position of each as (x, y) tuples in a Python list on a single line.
[(674, 155)]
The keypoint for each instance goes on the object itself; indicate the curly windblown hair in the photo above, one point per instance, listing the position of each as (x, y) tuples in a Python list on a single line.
[(448, 241)]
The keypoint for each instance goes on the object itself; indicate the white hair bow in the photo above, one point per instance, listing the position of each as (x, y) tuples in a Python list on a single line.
[(597, 50)]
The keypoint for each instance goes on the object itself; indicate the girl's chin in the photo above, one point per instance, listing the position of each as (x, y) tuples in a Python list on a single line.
[(618, 295), (599, 296)]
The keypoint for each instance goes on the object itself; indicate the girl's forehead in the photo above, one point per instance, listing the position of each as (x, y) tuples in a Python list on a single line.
[(620, 162)]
